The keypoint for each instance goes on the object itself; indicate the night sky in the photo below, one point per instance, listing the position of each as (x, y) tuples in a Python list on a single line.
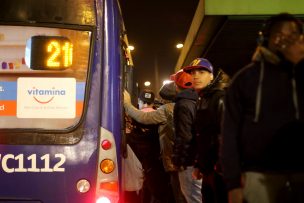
[(155, 27)]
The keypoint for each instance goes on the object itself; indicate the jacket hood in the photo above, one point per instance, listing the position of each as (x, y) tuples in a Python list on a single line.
[(264, 53), (261, 55), (187, 94), (221, 81)]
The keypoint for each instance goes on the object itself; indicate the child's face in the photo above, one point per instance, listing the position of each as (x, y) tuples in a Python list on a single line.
[(201, 78)]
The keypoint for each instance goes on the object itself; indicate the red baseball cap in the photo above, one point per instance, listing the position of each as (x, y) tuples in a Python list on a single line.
[(182, 79)]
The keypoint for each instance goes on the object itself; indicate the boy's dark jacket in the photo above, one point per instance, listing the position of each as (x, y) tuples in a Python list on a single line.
[(209, 109), (207, 126), (183, 115)]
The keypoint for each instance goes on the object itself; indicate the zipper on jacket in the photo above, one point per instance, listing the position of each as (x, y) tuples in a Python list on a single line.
[(259, 93), (295, 95)]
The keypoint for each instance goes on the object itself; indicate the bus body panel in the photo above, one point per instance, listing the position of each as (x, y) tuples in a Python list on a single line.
[(59, 167), (112, 76), (80, 163), (80, 12)]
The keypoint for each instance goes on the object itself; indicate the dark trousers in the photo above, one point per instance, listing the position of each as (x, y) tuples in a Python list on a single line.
[(133, 197), (175, 184), (156, 186), (214, 189)]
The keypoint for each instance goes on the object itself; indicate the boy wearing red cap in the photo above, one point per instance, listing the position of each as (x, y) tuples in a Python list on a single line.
[(184, 149)]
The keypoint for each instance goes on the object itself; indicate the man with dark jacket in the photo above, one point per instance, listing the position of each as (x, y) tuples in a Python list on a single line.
[(207, 128), (184, 143), (262, 151)]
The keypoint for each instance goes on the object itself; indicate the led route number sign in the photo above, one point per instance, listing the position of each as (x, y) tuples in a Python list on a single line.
[(49, 53)]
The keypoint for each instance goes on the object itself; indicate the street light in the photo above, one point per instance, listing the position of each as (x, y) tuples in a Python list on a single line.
[(131, 48), (179, 46), (147, 83), (166, 81)]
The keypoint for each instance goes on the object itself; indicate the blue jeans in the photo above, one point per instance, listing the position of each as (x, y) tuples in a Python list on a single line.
[(191, 188)]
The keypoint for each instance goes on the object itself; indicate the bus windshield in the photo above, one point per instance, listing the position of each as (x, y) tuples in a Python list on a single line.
[(43, 72)]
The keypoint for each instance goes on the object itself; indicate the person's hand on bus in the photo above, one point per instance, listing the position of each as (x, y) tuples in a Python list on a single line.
[(235, 195), (127, 98)]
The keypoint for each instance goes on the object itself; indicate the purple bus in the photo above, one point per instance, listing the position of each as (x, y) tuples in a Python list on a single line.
[(62, 72)]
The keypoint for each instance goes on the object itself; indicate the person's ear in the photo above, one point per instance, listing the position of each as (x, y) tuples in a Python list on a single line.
[(211, 76)]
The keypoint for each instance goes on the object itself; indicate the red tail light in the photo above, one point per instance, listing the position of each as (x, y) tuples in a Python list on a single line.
[(106, 144), (108, 185)]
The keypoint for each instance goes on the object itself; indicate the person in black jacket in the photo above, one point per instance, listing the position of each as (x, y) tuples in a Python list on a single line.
[(184, 148), (263, 129), (207, 128), (144, 141)]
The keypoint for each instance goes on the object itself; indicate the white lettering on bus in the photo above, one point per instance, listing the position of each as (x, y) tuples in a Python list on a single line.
[(46, 159), (57, 166), (20, 159), (4, 163), (9, 160), (33, 159)]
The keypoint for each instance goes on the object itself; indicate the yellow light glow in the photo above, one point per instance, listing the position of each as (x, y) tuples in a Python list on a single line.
[(107, 166), (68, 56), (57, 58), (71, 54), (179, 46), (131, 48), (167, 82), (54, 48), (147, 83)]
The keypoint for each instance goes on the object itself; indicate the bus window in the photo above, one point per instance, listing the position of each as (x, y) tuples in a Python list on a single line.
[(43, 72)]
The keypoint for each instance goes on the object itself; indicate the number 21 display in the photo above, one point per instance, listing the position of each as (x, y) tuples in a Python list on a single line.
[(49, 53)]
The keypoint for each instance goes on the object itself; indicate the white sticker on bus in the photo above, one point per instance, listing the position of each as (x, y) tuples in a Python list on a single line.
[(9, 160), (46, 97)]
